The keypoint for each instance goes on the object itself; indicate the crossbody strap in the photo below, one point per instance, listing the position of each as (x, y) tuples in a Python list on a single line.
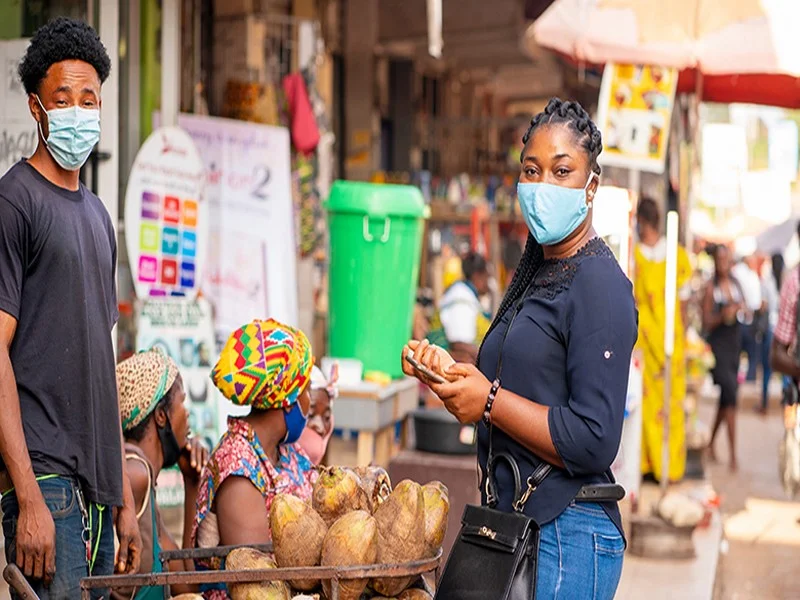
[(536, 478)]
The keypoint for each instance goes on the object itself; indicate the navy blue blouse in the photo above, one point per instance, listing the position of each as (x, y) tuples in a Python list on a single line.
[(570, 349)]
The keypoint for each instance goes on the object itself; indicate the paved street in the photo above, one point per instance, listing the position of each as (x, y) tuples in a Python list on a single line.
[(761, 527)]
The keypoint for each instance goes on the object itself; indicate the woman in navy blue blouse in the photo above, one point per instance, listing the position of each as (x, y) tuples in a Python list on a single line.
[(565, 362)]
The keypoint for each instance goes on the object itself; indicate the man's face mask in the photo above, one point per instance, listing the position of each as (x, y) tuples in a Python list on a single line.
[(72, 134)]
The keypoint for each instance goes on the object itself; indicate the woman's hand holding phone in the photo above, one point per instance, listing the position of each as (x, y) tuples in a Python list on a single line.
[(430, 357)]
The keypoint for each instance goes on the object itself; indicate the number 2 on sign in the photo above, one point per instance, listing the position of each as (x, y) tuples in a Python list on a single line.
[(262, 176)]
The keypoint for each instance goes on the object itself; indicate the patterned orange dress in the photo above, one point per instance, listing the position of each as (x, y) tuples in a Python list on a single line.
[(240, 454)]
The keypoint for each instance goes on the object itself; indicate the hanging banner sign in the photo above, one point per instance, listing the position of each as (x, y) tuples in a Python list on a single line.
[(724, 157), (166, 223), (184, 330), (252, 266), (18, 133), (634, 115), (783, 149)]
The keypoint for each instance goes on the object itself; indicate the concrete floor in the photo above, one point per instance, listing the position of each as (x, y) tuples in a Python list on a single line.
[(761, 555), (672, 579)]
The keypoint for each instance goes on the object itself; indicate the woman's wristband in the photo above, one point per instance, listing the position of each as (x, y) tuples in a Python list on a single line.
[(487, 410)]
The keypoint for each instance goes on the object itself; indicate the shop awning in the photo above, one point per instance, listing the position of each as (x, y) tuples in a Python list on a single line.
[(745, 51)]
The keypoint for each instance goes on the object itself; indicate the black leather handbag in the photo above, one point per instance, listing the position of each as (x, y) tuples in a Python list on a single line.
[(496, 552), (494, 557)]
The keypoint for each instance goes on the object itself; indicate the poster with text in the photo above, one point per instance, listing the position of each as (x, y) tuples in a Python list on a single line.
[(251, 271), (166, 222), (185, 331), (634, 115), (18, 135)]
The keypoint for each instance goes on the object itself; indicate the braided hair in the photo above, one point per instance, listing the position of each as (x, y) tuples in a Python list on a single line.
[(558, 112)]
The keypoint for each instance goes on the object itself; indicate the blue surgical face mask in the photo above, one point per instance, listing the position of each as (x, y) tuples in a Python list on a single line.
[(73, 132), (295, 423), (552, 212)]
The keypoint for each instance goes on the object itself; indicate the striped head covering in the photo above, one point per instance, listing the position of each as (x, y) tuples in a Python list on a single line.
[(143, 380), (265, 364)]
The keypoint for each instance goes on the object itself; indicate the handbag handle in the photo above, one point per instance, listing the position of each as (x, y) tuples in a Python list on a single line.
[(491, 486), (536, 478)]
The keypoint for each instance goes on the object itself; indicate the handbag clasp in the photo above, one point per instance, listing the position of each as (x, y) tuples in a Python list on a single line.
[(490, 499), (519, 505), (486, 532)]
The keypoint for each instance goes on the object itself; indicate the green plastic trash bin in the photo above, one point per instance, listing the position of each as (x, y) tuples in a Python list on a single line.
[(375, 247)]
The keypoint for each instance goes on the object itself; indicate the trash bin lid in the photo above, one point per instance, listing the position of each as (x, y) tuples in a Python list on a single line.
[(376, 199)]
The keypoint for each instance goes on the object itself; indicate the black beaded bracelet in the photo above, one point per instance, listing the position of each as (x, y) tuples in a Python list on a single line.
[(487, 411)]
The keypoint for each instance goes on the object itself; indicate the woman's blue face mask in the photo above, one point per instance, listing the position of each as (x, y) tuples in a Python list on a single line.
[(553, 212), (295, 422)]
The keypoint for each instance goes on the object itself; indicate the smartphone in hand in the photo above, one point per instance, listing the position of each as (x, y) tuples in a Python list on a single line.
[(435, 377)]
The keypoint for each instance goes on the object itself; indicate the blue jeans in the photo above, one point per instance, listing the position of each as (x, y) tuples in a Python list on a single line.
[(750, 347), (766, 344), (580, 555), (61, 496)]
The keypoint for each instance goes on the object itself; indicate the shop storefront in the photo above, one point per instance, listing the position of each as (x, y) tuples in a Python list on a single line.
[(250, 85), (243, 82), (18, 21)]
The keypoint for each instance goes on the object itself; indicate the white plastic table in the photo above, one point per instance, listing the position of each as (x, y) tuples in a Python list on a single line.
[(373, 411)]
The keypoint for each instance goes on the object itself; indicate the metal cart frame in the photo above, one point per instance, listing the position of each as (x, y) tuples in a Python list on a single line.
[(333, 574)]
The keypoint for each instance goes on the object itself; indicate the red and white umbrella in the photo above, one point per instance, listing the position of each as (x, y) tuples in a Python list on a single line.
[(746, 50)]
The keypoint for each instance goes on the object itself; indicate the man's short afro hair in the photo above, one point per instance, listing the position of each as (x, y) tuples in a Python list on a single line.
[(62, 39)]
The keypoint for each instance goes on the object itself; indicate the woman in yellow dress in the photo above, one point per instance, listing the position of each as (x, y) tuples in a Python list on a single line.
[(649, 287)]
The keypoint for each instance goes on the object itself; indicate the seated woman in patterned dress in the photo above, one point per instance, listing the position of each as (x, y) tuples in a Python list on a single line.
[(265, 365)]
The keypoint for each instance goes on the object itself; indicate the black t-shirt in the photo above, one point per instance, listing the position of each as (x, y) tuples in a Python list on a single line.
[(57, 279)]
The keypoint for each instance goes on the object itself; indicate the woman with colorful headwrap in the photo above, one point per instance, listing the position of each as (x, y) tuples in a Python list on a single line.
[(155, 424), (265, 365)]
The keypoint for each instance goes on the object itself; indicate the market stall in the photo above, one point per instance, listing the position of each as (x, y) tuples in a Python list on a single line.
[(356, 536)]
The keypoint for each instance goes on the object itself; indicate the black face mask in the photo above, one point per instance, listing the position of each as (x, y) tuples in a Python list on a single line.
[(169, 444)]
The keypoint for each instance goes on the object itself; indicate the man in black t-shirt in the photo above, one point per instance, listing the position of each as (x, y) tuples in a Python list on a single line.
[(61, 474)]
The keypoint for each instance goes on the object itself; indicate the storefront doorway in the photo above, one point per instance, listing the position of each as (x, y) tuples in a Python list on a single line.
[(19, 19)]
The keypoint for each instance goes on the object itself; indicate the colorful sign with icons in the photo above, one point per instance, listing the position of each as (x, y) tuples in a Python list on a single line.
[(165, 216)]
